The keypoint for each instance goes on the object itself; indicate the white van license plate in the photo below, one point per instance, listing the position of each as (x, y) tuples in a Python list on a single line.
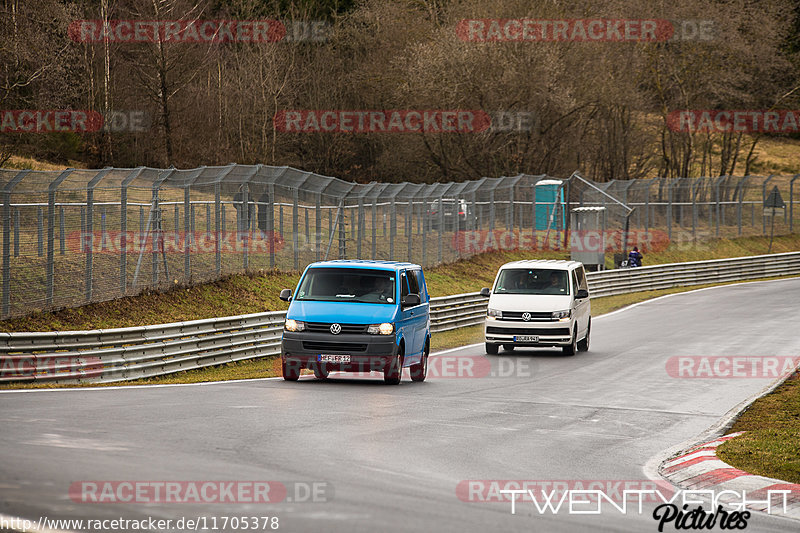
[(526, 338), (330, 358)]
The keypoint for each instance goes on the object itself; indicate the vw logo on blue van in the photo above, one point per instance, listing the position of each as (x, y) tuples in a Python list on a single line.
[(336, 329)]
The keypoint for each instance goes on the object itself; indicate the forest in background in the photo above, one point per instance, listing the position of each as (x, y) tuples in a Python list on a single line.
[(601, 107)]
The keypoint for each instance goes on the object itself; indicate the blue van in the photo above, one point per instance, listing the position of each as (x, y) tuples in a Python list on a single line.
[(358, 316)]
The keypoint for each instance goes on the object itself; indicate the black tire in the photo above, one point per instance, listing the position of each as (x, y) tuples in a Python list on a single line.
[(393, 373), (290, 371), (583, 345), (573, 346), (508, 347), (420, 371), (320, 371), (492, 349)]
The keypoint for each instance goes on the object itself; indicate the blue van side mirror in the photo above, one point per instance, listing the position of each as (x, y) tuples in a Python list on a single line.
[(286, 295), (410, 300)]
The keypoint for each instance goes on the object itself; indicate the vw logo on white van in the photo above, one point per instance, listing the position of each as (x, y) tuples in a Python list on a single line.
[(526, 316), (336, 329)]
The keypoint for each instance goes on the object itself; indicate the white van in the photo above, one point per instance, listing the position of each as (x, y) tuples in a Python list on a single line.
[(539, 303)]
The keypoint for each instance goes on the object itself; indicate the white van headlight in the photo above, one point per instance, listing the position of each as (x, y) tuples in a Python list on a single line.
[(294, 325), (494, 313), (386, 328), (561, 316)]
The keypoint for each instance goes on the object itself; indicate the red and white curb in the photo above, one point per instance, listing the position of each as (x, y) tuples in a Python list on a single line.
[(699, 468)]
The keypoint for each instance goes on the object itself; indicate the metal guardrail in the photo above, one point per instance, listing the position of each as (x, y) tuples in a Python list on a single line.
[(131, 353)]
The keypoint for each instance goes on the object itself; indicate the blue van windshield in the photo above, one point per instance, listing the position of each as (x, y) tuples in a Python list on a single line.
[(322, 284)]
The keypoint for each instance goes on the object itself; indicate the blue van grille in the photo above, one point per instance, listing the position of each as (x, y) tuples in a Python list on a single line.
[(325, 327)]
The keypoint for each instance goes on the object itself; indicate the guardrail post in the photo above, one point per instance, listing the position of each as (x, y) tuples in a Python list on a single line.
[(9, 187), (51, 228)]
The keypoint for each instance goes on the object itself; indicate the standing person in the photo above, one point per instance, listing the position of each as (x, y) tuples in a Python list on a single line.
[(635, 258)]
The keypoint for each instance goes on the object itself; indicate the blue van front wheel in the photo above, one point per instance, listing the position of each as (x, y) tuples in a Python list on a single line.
[(420, 370), (393, 373)]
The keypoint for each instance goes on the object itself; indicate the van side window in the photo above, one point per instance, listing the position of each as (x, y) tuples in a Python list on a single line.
[(581, 278), (423, 291), (403, 286), (413, 282), (575, 283)]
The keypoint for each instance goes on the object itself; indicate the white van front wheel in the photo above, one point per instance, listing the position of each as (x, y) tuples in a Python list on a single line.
[(583, 345), (573, 346)]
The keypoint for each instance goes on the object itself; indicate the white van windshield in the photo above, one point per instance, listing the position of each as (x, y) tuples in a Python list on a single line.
[(532, 281)]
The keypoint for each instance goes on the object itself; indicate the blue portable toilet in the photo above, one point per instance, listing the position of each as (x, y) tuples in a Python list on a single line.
[(549, 194)]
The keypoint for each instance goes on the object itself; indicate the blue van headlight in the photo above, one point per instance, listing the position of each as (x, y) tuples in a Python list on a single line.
[(294, 325), (386, 328)]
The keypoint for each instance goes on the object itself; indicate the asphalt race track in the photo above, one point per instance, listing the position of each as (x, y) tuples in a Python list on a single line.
[(391, 457)]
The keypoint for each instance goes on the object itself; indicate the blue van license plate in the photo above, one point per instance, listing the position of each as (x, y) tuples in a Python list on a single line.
[(331, 358)]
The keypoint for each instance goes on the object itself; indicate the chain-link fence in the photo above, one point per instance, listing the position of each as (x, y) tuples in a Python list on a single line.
[(79, 236)]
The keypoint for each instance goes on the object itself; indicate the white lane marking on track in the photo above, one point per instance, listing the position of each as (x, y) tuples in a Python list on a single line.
[(59, 441), (206, 383)]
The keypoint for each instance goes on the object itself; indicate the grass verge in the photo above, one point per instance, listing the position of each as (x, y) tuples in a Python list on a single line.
[(771, 446)]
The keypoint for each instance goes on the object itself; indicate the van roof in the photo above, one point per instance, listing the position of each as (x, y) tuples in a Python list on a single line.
[(557, 264), (364, 263)]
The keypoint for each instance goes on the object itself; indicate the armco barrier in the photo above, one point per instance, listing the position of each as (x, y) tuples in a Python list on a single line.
[(131, 353)]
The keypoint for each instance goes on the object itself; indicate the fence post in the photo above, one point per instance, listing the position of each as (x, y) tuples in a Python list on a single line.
[(791, 202), (39, 231), (342, 231), (295, 227), (244, 230), (9, 187), (187, 227), (318, 225), (410, 226), (739, 205), (374, 227), (763, 200), (51, 228), (16, 232), (217, 229), (360, 226), (670, 183), (392, 227), (62, 244), (90, 227), (441, 229), (717, 183), (491, 210)]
